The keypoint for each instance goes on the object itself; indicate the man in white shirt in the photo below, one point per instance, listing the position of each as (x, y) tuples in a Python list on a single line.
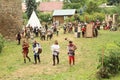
[(36, 47), (55, 52)]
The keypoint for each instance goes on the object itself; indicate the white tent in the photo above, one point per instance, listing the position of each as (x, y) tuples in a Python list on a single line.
[(34, 21)]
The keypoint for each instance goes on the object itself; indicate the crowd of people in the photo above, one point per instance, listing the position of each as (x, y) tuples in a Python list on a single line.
[(46, 33), (31, 33), (81, 27)]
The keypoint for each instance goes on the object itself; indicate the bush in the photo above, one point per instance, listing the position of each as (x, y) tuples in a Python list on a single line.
[(70, 19), (45, 17), (1, 43), (110, 65), (92, 17)]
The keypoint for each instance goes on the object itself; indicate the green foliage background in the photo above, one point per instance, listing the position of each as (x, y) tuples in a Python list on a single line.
[(31, 5)]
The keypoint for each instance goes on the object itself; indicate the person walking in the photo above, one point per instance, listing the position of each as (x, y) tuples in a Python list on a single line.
[(46, 27), (37, 49), (71, 52), (64, 28), (95, 30), (18, 38), (55, 52), (83, 29), (43, 34), (49, 34), (32, 37), (25, 48)]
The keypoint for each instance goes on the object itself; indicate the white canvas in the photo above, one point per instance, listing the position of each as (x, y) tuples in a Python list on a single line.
[(34, 21)]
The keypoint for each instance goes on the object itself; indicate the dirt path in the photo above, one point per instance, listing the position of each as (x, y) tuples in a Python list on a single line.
[(32, 70)]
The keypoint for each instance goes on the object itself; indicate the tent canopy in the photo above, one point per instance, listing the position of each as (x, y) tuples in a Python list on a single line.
[(34, 21)]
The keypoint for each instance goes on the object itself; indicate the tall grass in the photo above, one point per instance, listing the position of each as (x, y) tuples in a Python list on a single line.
[(85, 68)]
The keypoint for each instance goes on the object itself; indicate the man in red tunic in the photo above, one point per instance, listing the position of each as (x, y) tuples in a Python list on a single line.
[(25, 48), (83, 29)]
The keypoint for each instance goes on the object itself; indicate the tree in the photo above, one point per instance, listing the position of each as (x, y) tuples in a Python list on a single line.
[(45, 17), (99, 2), (92, 7), (75, 1), (83, 2), (31, 5), (74, 4)]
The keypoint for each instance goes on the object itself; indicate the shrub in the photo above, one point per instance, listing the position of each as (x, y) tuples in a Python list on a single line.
[(67, 19), (45, 17), (1, 43), (110, 65), (70, 19), (92, 17)]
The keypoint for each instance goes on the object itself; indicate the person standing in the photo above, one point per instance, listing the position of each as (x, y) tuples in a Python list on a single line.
[(64, 28), (71, 52), (32, 37), (37, 49), (18, 37), (46, 27), (55, 52), (43, 34), (83, 29), (25, 48), (95, 30), (49, 34)]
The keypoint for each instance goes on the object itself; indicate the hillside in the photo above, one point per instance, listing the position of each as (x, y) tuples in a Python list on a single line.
[(87, 56)]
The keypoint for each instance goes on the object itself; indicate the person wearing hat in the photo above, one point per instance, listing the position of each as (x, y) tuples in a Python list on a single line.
[(55, 52), (71, 52)]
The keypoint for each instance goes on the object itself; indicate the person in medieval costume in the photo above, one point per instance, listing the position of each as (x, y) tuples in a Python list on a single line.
[(71, 52), (55, 52), (25, 48)]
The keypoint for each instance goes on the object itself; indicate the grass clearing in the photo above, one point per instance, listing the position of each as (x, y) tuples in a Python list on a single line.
[(87, 56)]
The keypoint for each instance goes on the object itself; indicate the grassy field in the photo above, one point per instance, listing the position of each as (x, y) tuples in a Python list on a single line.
[(87, 56)]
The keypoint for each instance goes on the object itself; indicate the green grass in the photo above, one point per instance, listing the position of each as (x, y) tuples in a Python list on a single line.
[(87, 56)]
